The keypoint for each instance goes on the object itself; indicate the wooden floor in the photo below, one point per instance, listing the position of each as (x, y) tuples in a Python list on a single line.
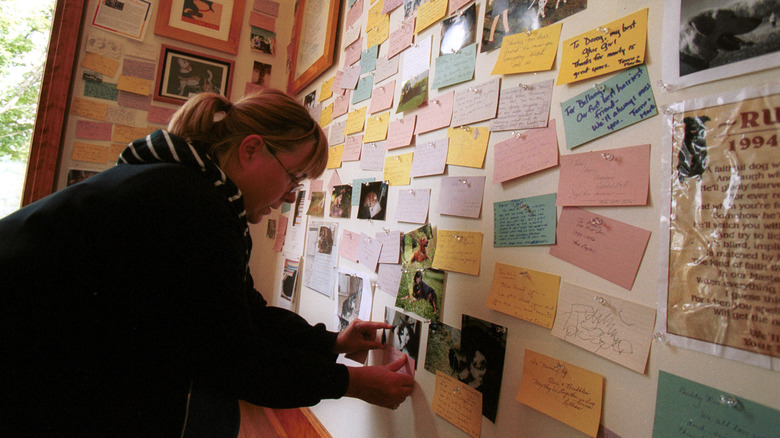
[(259, 422)]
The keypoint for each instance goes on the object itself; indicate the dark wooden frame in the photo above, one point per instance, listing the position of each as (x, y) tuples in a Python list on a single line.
[(164, 70)]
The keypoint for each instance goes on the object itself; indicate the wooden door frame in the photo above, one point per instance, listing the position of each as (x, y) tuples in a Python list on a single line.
[(54, 101)]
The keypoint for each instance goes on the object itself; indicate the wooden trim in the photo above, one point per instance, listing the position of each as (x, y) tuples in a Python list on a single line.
[(163, 28), (54, 100), (298, 423)]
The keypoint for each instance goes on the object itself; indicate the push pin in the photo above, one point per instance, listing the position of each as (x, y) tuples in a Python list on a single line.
[(599, 87), (728, 400), (607, 156), (596, 221), (602, 29)]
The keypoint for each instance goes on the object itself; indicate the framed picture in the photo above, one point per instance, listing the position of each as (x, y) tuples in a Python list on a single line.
[(313, 42), (215, 24), (183, 73)]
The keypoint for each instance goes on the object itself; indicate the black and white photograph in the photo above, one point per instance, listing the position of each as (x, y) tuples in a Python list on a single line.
[(483, 347), (405, 334), (710, 40), (350, 288), (373, 201), (184, 74)]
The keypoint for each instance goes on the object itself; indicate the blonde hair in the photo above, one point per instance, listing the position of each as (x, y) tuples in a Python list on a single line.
[(284, 124)]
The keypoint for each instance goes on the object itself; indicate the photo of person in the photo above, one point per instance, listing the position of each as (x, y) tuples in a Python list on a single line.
[(262, 40), (459, 31), (481, 366), (341, 201), (325, 240), (405, 334), (189, 77), (261, 73), (373, 201)]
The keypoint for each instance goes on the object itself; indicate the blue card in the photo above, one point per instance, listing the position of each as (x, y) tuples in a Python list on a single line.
[(525, 222), (368, 60), (365, 87), (454, 68), (621, 101)]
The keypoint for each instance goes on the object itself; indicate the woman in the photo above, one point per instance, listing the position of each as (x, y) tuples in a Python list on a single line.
[(129, 309)]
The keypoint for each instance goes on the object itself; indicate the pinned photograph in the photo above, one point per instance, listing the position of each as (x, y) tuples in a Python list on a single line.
[(289, 279), (422, 293), (261, 73), (404, 336), (262, 40), (325, 240), (459, 31), (444, 349), (373, 201), (341, 201), (481, 363), (350, 288), (317, 205)]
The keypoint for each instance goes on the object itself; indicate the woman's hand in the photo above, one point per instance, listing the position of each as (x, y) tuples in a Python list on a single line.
[(359, 336), (380, 385)]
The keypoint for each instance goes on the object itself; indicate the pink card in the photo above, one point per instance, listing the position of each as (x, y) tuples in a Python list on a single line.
[(350, 77), (610, 177), (335, 180), (352, 148), (336, 87), (382, 97), (401, 38), (390, 5), (528, 152), (348, 246), (389, 278), (341, 103), (135, 101), (139, 69), (354, 13), (352, 54), (461, 195), (373, 156), (368, 251), (281, 230), (267, 7), (436, 114), (430, 158), (413, 205), (89, 130), (603, 246), (160, 115), (400, 132), (391, 246), (262, 21)]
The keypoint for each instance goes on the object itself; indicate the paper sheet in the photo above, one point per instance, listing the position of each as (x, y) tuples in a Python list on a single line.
[(397, 168), (476, 103), (430, 158), (522, 53), (400, 132), (413, 205), (461, 195), (352, 147), (525, 294), (376, 127), (436, 114), (458, 251), (458, 403), (468, 146), (523, 107), (373, 156), (355, 121), (525, 153), (454, 68), (526, 221)]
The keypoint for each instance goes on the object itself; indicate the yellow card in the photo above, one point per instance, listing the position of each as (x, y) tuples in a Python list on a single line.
[(325, 89), (326, 115), (458, 403), (570, 394), (89, 108), (468, 146), (134, 85), (126, 134), (355, 121), (93, 153), (614, 46), (428, 13), (115, 150), (334, 156), (458, 251), (521, 52), (524, 294), (377, 25), (376, 128), (101, 64), (397, 169)]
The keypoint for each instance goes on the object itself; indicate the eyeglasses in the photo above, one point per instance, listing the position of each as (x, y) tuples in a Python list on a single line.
[(295, 181)]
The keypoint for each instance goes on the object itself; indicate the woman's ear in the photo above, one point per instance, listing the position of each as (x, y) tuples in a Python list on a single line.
[(251, 147)]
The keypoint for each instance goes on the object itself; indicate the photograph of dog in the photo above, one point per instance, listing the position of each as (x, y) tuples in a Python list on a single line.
[(692, 158), (481, 360), (443, 351), (418, 248), (373, 200), (720, 32), (422, 293)]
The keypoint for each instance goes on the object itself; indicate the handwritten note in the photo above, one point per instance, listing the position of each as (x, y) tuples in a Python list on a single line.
[(262, 21), (601, 245), (684, 408), (458, 403), (430, 158), (604, 178), (326, 90), (348, 246), (454, 68), (126, 134), (436, 114), (429, 13), (350, 77), (477, 103), (523, 107), (352, 54), (88, 130), (334, 156), (526, 52), (101, 64), (397, 169), (458, 251), (524, 293), (368, 60), (461, 195), (368, 251), (89, 152), (614, 46), (104, 44), (373, 156), (389, 278), (401, 38), (413, 205), (139, 69), (101, 90), (391, 246), (341, 103), (363, 90), (355, 121), (386, 68), (326, 115), (281, 231), (616, 329), (354, 12), (376, 127), (524, 222), (400, 132), (269, 7), (352, 147), (336, 135), (467, 146), (568, 393), (382, 97), (377, 25), (526, 153), (120, 116), (623, 100), (135, 101)]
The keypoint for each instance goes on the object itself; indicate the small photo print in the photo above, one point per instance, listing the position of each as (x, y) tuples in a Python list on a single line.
[(325, 240), (405, 334), (317, 205), (422, 293), (483, 350), (459, 31), (373, 201), (270, 232), (414, 93), (77, 175), (261, 73), (262, 40), (289, 279), (341, 201), (350, 289), (444, 351)]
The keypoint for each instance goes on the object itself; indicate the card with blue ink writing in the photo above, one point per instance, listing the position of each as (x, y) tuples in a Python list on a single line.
[(615, 329), (454, 68), (364, 88), (525, 222), (684, 408), (623, 100)]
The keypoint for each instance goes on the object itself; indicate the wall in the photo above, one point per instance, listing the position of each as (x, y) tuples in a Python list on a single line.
[(629, 399)]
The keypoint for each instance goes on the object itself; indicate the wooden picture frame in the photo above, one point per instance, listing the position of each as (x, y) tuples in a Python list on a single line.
[(183, 73), (316, 30), (217, 26)]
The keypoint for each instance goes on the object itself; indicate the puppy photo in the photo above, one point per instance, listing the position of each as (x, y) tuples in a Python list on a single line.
[(422, 293)]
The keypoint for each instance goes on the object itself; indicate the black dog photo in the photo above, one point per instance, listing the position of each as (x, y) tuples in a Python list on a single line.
[(483, 347)]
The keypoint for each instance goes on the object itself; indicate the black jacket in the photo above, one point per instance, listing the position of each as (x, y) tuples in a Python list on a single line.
[(121, 291)]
